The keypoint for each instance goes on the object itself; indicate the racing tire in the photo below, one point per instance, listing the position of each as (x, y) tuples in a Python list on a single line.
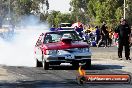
[(87, 65), (38, 63), (75, 65), (45, 65)]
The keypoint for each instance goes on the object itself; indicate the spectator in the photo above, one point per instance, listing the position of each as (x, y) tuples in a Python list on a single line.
[(124, 32), (110, 37), (97, 32), (79, 30), (76, 28), (104, 35), (115, 37)]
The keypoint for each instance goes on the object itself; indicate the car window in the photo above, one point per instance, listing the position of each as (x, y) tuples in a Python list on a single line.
[(56, 36), (48, 38), (67, 35), (70, 34), (51, 38)]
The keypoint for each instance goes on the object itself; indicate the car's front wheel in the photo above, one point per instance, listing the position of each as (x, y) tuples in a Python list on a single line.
[(75, 65), (88, 64), (45, 65)]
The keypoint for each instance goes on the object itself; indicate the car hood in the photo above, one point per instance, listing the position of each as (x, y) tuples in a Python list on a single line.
[(61, 45)]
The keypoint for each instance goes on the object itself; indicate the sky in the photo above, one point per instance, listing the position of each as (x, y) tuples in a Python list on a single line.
[(59, 5)]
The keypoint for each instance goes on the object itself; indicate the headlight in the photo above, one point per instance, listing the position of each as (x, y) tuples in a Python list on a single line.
[(51, 52), (84, 49)]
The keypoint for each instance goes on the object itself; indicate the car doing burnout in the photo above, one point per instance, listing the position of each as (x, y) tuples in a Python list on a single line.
[(65, 46)]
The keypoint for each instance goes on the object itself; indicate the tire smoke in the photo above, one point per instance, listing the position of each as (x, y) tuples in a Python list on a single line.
[(20, 50)]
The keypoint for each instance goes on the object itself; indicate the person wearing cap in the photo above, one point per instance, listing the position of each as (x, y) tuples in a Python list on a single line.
[(124, 32)]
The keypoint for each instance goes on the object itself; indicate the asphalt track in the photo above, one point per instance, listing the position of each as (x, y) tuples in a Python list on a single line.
[(64, 76)]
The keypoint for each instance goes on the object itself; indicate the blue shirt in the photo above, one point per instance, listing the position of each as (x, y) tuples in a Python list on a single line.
[(52, 29), (97, 32)]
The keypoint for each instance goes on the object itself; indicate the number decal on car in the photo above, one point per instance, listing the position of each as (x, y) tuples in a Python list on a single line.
[(69, 56)]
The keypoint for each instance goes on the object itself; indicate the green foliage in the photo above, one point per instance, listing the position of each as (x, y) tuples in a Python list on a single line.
[(56, 17), (129, 11), (79, 9), (98, 11), (85, 11), (19, 8)]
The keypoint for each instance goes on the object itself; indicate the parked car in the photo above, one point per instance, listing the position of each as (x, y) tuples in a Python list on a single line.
[(66, 26), (65, 46)]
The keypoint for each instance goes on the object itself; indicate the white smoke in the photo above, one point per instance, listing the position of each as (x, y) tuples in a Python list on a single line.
[(20, 51)]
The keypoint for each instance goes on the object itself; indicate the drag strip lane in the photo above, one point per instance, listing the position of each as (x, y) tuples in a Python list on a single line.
[(32, 77)]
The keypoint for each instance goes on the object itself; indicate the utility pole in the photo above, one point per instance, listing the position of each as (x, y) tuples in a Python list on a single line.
[(9, 13), (124, 9), (9, 7)]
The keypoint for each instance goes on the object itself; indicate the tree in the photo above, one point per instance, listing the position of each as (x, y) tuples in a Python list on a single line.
[(3, 10), (51, 18), (105, 10), (19, 8), (56, 17), (79, 9), (129, 11), (97, 11)]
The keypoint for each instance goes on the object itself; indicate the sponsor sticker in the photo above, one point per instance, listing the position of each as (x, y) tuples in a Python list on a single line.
[(108, 78), (102, 78)]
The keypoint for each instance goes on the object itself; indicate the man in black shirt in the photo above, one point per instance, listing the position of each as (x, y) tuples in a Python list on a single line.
[(104, 35), (123, 31)]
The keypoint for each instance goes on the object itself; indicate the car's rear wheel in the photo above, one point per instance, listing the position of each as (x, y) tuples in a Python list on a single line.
[(38, 63)]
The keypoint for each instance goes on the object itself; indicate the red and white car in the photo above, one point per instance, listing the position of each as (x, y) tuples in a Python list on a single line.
[(65, 46)]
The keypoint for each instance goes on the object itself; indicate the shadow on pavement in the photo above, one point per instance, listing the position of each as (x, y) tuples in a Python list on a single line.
[(57, 84), (93, 67), (41, 84), (104, 67)]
